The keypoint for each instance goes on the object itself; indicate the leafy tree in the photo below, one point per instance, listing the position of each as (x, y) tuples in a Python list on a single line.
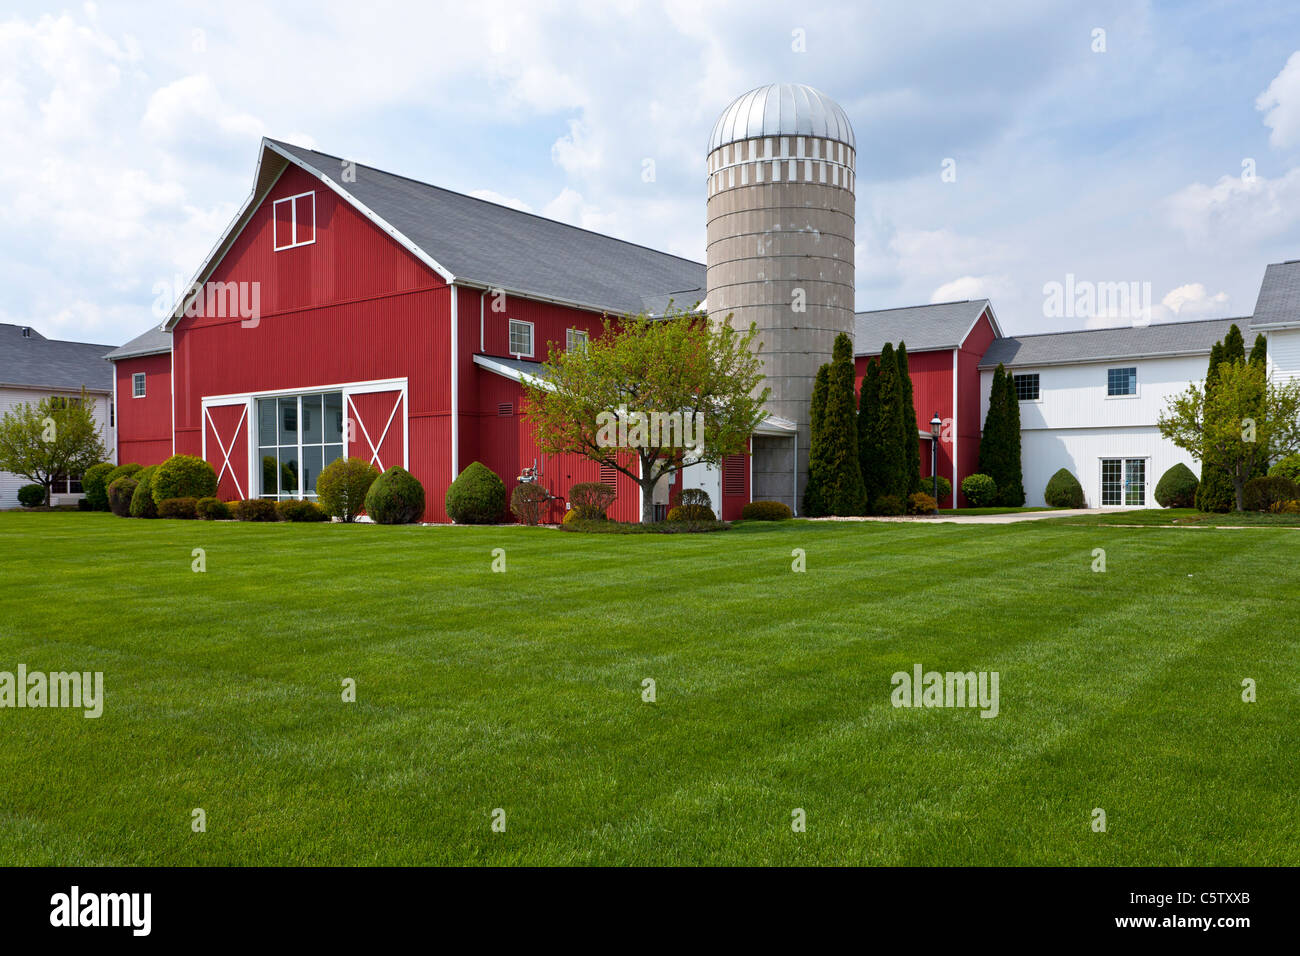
[(869, 431), (681, 366), (841, 474), (1233, 425), (54, 438), (814, 496), (911, 433)]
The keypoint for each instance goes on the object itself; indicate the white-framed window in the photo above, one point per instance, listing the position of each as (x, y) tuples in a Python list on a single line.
[(137, 385), (521, 337), (1026, 386), (294, 221), (297, 436), (1121, 382), (1123, 481), (575, 339)]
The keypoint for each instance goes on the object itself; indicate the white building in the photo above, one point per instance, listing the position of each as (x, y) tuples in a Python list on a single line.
[(33, 368)]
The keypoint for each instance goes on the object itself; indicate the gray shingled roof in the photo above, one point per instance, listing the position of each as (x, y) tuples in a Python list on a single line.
[(38, 362), (152, 342), (1099, 345), (1279, 295), (942, 325), (487, 244)]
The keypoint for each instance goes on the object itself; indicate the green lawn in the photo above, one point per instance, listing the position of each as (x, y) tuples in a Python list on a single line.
[(1181, 517), (999, 510), (478, 690)]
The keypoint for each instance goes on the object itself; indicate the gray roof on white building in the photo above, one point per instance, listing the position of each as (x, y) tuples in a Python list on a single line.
[(1160, 339), (942, 325), (33, 361), (153, 342), (489, 245), (1279, 296)]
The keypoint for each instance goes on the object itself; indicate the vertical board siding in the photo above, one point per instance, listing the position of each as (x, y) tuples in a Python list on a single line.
[(144, 425)]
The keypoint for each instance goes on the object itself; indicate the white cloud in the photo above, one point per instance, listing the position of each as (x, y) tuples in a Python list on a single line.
[(1191, 301), (971, 287), (493, 196), (191, 112), (1235, 209), (1282, 102)]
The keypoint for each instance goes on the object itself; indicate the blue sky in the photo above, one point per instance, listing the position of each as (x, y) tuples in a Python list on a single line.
[(129, 133)]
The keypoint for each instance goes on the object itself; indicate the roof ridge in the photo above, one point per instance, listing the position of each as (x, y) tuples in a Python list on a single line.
[(926, 305), (1118, 328), (522, 212)]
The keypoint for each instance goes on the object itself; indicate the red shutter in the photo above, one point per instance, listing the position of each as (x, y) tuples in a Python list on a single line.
[(733, 475)]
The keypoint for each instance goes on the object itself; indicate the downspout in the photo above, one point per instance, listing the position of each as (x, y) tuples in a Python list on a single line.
[(455, 385), (481, 294), (794, 478), (955, 487)]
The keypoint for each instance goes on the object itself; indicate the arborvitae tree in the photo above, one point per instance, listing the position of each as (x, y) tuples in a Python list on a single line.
[(1215, 492), (814, 501), (1234, 345), (869, 431), (912, 435), (992, 450), (842, 478), (892, 447), (1259, 352), (1011, 485)]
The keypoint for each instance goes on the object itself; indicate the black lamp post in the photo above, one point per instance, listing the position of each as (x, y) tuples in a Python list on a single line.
[(936, 426)]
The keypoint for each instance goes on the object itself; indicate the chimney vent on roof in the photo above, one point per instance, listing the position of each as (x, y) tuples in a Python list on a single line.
[(27, 331)]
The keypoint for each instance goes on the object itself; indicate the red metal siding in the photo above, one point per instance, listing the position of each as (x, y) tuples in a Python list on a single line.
[(144, 425), (969, 426), (226, 429)]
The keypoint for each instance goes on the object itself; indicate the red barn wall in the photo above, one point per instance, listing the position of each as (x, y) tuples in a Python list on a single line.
[(144, 425), (969, 426)]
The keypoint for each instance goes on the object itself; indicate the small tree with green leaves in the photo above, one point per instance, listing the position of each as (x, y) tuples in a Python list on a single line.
[(54, 438), (1235, 424), (602, 402)]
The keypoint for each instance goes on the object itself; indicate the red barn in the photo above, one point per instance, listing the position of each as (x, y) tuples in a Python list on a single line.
[(945, 343), (348, 311)]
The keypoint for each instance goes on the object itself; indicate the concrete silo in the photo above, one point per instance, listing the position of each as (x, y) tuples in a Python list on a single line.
[(780, 252)]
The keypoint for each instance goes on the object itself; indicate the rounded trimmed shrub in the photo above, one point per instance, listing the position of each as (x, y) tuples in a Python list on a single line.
[(129, 470), (920, 503), (120, 495), (477, 496), (526, 502), (30, 496), (1288, 467), (342, 486), (212, 509), (183, 476), (888, 505), (397, 497), (1262, 494), (94, 482), (291, 509), (981, 491), (186, 508), (254, 509), (1177, 487), (1063, 490), (142, 503), (945, 486), (766, 511), (592, 498)]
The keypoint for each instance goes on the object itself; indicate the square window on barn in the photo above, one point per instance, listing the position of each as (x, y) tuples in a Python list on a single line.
[(575, 339), (521, 337), (1121, 381), (137, 385), (294, 221), (1026, 387)]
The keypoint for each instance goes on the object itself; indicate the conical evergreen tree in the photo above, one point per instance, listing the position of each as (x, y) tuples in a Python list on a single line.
[(1011, 483), (1216, 491), (992, 451), (1259, 352), (892, 447), (912, 436), (842, 477), (869, 432), (814, 499)]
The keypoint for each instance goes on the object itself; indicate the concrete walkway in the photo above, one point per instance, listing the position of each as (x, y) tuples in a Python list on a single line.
[(1012, 518)]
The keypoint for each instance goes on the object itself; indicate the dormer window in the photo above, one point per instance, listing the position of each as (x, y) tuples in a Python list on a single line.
[(295, 221)]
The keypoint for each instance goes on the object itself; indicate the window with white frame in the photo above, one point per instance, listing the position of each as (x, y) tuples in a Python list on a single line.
[(1121, 381), (66, 485), (137, 385), (1026, 386), (297, 436), (294, 219), (575, 339), (521, 337)]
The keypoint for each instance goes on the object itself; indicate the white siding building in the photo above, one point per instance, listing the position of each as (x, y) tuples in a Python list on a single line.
[(33, 368)]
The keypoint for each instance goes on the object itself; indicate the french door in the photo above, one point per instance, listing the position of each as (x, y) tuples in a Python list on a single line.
[(1123, 481)]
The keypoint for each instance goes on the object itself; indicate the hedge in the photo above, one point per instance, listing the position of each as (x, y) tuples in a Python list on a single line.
[(212, 509), (94, 482), (477, 496), (1261, 494), (120, 494), (254, 509), (1063, 490), (178, 508), (291, 509), (342, 486), (142, 503), (980, 490), (766, 511), (1177, 487), (183, 476), (397, 497)]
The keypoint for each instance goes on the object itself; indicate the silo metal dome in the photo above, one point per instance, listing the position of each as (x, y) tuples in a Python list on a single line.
[(782, 109)]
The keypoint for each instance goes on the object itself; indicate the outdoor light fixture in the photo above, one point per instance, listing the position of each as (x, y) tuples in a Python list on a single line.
[(936, 425)]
